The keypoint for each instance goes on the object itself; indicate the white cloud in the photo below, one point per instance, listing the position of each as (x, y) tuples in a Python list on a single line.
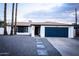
[(28, 8), (25, 9)]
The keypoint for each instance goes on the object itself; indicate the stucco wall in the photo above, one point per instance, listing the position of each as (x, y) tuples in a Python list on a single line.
[(32, 31), (8, 29), (2, 30), (71, 32), (42, 31)]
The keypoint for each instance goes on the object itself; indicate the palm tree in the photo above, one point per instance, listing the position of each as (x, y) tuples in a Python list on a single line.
[(15, 18), (5, 9), (12, 19), (75, 16), (76, 21)]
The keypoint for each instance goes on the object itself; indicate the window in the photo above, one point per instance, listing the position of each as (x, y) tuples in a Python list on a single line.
[(22, 29)]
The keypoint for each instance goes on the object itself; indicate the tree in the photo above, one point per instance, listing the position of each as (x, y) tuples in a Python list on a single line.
[(5, 9), (15, 18), (75, 16), (76, 21), (12, 19)]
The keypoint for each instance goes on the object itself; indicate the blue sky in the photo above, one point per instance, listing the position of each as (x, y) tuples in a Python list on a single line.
[(56, 12)]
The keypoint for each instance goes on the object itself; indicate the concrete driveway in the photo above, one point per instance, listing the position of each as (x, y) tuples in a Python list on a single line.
[(66, 46)]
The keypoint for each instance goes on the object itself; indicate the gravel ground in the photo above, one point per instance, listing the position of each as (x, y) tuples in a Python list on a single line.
[(19, 45)]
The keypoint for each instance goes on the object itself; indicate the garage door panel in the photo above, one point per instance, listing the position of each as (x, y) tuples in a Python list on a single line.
[(56, 32)]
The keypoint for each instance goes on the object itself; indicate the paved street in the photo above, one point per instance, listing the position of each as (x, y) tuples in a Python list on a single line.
[(26, 46), (66, 46)]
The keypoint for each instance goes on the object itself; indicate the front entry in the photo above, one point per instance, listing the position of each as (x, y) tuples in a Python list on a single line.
[(77, 33), (37, 30)]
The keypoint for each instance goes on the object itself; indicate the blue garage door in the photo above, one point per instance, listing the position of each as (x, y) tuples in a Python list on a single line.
[(56, 32)]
